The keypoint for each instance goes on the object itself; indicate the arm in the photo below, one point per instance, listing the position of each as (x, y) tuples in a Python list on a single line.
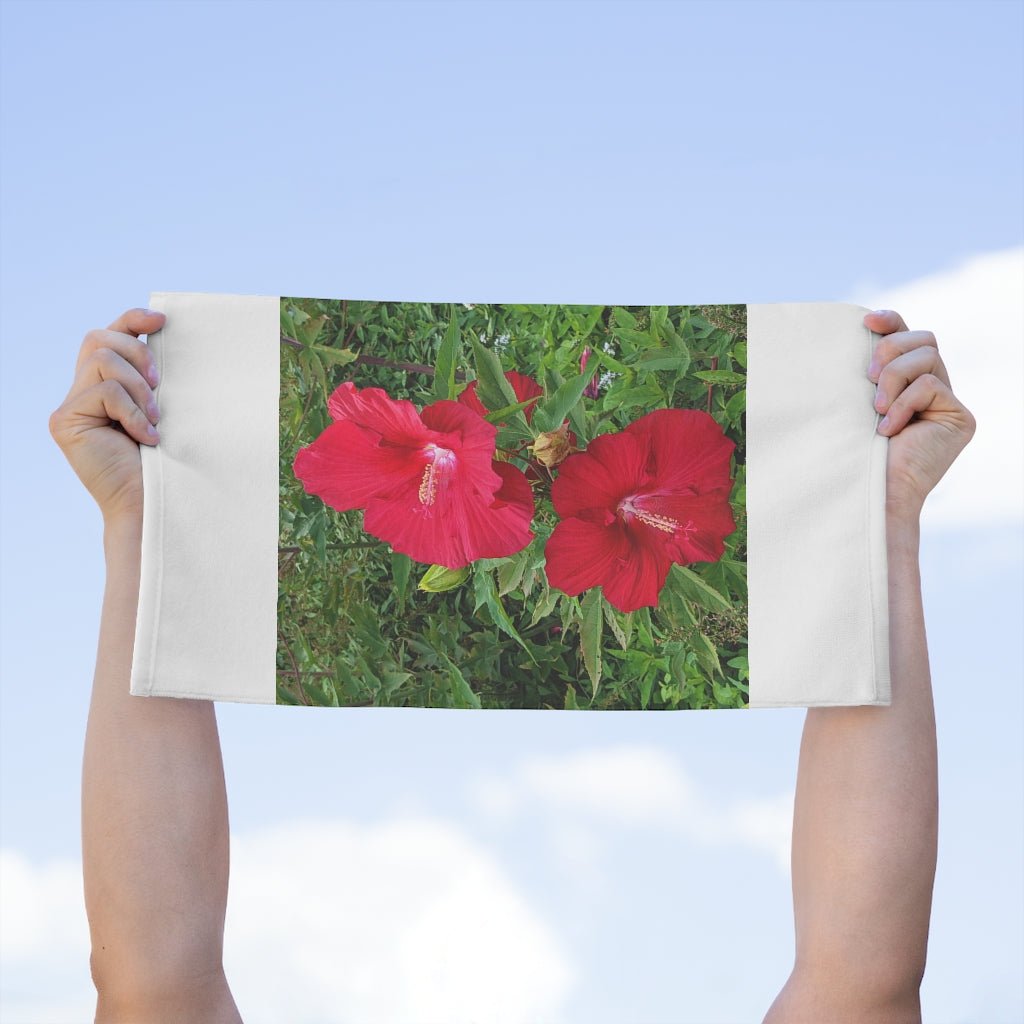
[(866, 814), (154, 810)]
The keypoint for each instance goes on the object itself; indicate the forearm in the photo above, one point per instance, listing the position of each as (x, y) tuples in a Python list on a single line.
[(154, 810), (866, 814)]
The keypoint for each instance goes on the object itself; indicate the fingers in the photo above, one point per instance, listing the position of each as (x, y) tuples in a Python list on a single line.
[(114, 379), (885, 321), (927, 398), (105, 364), (138, 321), (122, 337), (895, 346), (908, 370), (101, 405), (105, 403), (902, 371)]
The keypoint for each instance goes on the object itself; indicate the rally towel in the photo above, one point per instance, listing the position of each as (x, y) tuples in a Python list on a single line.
[(462, 505)]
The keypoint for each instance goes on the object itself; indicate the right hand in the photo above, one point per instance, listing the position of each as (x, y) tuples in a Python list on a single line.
[(109, 411)]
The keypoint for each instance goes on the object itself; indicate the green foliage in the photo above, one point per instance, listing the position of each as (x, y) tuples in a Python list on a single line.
[(356, 625)]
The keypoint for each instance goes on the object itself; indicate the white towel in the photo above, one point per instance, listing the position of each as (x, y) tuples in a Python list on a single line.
[(208, 621)]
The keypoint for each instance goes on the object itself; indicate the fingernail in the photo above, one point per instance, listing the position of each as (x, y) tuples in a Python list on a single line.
[(884, 425), (152, 312), (880, 312), (152, 411), (152, 376), (151, 431), (874, 369), (880, 399)]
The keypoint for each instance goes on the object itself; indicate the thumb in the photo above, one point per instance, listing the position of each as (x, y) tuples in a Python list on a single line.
[(138, 321)]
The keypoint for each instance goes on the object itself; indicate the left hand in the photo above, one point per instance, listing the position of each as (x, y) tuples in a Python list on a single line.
[(927, 425)]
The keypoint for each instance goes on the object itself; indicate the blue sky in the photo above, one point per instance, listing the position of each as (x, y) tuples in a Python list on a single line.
[(631, 866)]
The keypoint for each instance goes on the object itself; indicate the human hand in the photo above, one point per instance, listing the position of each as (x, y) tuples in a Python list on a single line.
[(109, 411), (927, 425)]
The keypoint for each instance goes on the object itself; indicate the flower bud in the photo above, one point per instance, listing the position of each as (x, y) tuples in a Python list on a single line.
[(553, 447), (439, 578), (593, 389)]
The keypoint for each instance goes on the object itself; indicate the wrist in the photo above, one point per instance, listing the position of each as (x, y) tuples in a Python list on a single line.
[(903, 530), (122, 536)]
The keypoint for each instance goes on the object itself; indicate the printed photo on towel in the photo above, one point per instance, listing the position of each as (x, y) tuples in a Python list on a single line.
[(512, 506)]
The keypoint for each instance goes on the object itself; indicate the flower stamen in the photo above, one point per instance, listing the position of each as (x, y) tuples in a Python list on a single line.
[(630, 509), (438, 459)]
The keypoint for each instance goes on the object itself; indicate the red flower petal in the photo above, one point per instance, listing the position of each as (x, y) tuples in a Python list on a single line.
[(640, 584), (457, 428), (629, 568), (461, 526), (373, 409), (346, 466), (612, 467), (688, 449), (581, 554)]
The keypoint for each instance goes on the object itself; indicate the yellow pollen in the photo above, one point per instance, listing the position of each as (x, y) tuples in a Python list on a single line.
[(428, 485), (653, 519), (438, 459)]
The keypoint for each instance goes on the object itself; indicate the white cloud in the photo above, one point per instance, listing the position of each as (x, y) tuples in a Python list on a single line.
[(588, 796), (976, 312), (404, 921), (44, 942)]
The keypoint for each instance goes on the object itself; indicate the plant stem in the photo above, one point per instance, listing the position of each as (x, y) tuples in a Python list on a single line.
[(295, 666), (295, 549)]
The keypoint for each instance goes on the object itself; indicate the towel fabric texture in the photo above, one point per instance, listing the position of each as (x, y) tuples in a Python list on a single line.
[(207, 622)]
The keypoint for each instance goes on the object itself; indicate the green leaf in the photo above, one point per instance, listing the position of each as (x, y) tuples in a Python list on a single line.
[(344, 678), (570, 699), (662, 359), (369, 676), (735, 406), (501, 415), (448, 356), (648, 396), (492, 388), (624, 318), (462, 693), (330, 693), (726, 696), (553, 380), (706, 654), (687, 583), (591, 635), (550, 415), (726, 377), (334, 356), (319, 533), (646, 685), (290, 320), (285, 696), (638, 339), (545, 606), (487, 594), (623, 629), (510, 572), (401, 565)]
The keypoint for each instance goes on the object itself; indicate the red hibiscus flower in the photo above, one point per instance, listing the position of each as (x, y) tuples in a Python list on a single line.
[(637, 501), (428, 481), (524, 387)]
